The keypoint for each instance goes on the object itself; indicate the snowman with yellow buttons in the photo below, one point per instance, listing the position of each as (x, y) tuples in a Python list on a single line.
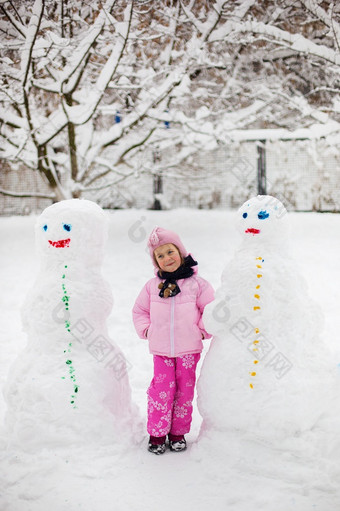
[(264, 374)]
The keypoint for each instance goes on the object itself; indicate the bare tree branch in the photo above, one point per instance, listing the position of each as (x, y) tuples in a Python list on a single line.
[(27, 194), (120, 157), (335, 27), (19, 27), (322, 15), (32, 32), (276, 35), (105, 76)]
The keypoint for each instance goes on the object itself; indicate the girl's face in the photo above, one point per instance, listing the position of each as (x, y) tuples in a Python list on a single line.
[(168, 257)]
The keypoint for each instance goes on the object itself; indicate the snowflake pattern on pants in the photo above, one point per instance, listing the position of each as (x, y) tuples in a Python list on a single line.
[(169, 362), (188, 361), (180, 411), (170, 395)]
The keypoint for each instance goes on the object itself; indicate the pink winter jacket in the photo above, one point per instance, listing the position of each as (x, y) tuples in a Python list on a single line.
[(173, 325)]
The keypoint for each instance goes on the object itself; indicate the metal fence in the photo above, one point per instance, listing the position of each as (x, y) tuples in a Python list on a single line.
[(22, 181), (303, 174)]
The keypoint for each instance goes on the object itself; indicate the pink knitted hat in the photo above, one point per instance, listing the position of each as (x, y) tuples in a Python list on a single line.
[(160, 236)]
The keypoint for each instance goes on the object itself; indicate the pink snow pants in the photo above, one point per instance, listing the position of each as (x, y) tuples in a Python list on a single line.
[(170, 394)]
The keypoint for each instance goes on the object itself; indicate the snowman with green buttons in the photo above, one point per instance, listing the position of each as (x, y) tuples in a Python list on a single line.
[(70, 384), (264, 375)]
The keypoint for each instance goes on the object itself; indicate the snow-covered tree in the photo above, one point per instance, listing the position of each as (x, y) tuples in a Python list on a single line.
[(91, 89)]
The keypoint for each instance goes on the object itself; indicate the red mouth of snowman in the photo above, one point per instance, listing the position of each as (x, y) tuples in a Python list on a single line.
[(60, 243), (251, 230)]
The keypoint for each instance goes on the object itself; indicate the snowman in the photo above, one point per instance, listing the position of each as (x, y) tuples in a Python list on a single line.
[(70, 384), (266, 374)]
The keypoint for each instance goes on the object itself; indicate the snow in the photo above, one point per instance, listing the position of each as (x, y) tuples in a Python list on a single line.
[(229, 472)]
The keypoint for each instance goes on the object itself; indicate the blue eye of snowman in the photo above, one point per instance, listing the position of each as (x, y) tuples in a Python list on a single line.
[(263, 215), (67, 227), (45, 227), (245, 215)]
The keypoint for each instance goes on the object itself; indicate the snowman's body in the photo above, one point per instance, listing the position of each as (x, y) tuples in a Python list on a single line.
[(264, 373), (70, 383)]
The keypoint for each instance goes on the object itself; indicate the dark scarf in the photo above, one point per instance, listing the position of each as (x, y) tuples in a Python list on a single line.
[(170, 287)]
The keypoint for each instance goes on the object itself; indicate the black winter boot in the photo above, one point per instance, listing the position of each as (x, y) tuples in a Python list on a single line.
[(177, 443), (157, 445)]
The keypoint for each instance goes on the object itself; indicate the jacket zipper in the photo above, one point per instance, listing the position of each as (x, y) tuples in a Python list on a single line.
[(172, 327)]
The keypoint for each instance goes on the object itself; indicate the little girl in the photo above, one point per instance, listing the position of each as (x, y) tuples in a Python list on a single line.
[(168, 312)]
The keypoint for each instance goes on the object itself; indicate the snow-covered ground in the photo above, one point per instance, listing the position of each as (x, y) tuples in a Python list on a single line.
[(131, 478)]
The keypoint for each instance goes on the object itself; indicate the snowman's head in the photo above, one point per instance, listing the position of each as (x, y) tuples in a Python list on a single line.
[(72, 229), (262, 218)]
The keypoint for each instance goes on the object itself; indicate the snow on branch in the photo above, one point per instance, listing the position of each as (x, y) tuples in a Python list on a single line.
[(206, 28), (27, 194), (81, 114), (296, 42), (32, 32), (322, 15), (74, 66), (7, 117), (19, 27), (151, 98), (126, 146), (192, 18), (69, 77), (241, 9), (50, 127), (172, 34)]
